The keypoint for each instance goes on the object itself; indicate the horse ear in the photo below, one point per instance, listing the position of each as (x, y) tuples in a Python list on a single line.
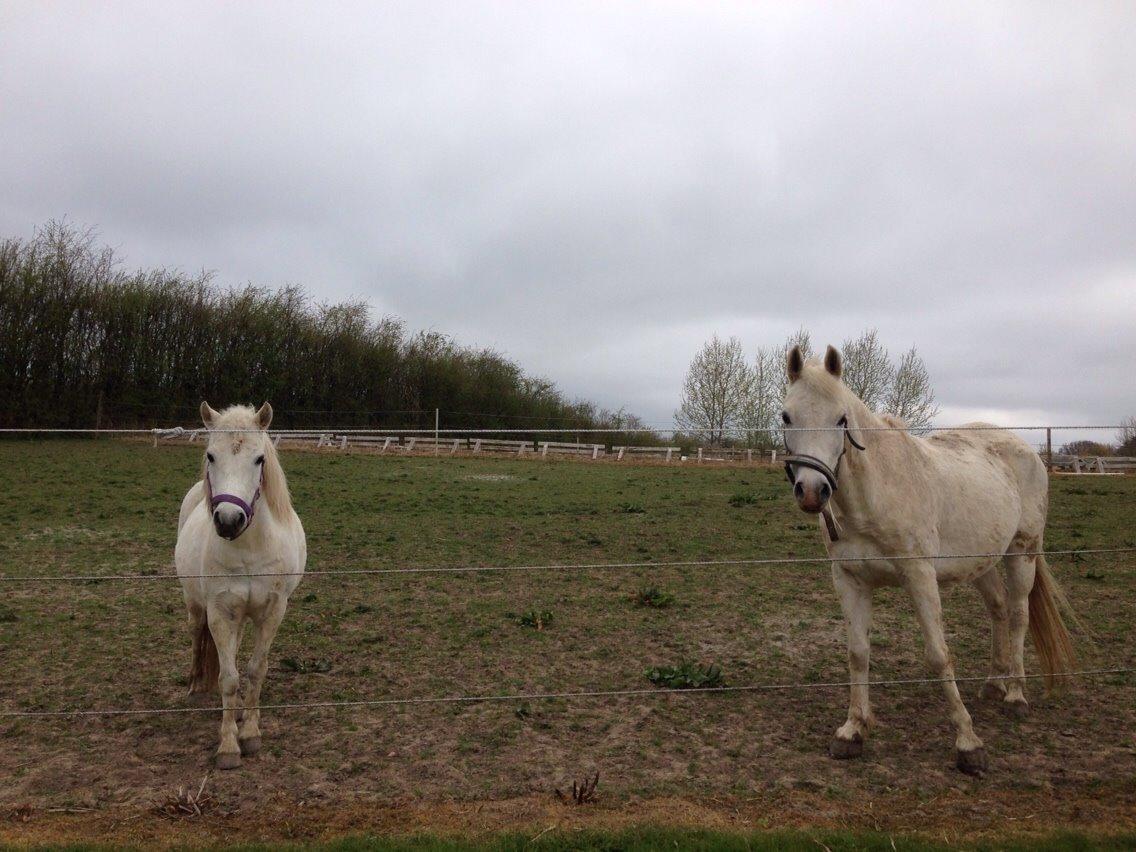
[(208, 415), (794, 363), (264, 416), (832, 362)]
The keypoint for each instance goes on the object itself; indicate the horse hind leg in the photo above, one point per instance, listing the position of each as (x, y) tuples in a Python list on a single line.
[(993, 590), (1020, 573), (204, 668)]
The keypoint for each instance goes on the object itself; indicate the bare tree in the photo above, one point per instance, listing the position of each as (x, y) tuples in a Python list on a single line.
[(722, 393), (910, 395), (765, 391), (1126, 437), (868, 372), (801, 338), (763, 400), (715, 390)]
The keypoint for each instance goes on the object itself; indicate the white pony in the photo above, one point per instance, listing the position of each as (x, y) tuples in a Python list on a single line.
[(237, 522), (957, 492)]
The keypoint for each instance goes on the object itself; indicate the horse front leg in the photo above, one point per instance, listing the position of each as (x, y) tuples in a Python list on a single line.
[(856, 603), (226, 616), (923, 586), (265, 626)]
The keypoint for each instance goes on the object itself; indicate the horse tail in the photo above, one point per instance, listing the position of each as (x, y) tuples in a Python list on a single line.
[(1047, 626), (206, 667)]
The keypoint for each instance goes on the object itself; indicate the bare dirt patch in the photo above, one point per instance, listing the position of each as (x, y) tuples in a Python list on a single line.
[(950, 817)]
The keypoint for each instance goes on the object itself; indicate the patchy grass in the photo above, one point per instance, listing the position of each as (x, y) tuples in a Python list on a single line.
[(744, 498), (102, 506), (649, 839), (654, 597), (632, 509)]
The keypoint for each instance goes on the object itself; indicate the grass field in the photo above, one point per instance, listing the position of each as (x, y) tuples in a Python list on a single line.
[(736, 762)]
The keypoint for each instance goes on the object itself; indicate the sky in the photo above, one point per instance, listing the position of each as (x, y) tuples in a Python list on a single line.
[(594, 189)]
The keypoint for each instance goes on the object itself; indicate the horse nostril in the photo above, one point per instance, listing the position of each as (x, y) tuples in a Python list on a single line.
[(216, 517), (825, 492), (798, 490)]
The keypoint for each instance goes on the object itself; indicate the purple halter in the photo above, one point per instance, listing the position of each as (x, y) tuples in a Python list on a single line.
[(249, 509)]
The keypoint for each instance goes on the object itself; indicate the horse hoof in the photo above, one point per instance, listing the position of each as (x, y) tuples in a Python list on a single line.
[(1016, 709), (972, 762), (993, 691), (228, 760), (846, 749), (250, 746)]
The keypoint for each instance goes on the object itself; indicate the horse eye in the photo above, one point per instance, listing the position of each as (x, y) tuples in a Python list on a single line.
[(260, 459), (209, 457), (785, 417)]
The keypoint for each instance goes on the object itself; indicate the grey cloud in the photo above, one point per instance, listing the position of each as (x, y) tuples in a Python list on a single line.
[(595, 188)]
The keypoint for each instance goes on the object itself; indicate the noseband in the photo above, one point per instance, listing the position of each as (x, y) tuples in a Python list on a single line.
[(249, 509), (829, 473)]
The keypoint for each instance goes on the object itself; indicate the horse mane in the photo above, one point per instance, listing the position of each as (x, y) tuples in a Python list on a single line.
[(894, 420), (274, 487)]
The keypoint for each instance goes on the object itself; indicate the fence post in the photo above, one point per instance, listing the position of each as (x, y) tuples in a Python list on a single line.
[(1049, 449), (700, 455), (435, 431)]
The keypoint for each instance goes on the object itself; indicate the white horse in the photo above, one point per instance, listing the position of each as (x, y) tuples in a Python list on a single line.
[(237, 522), (957, 492)]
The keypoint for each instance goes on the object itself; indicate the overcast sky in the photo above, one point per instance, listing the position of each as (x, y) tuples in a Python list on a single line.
[(594, 189)]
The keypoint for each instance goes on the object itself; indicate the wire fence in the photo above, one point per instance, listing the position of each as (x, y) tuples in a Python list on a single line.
[(471, 569), (507, 430), (571, 694), (567, 566), (541, 696)]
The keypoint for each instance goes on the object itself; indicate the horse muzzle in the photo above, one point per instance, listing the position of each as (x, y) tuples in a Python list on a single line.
[(813, 481), (229, 522), (812, 497), (231, 515)]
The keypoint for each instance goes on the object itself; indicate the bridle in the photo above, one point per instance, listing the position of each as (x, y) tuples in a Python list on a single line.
[(829, 473), (249, 509)]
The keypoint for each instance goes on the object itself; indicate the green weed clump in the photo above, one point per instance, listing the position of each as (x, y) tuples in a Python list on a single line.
[(292, 664), (686, 675), (536, 619)]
